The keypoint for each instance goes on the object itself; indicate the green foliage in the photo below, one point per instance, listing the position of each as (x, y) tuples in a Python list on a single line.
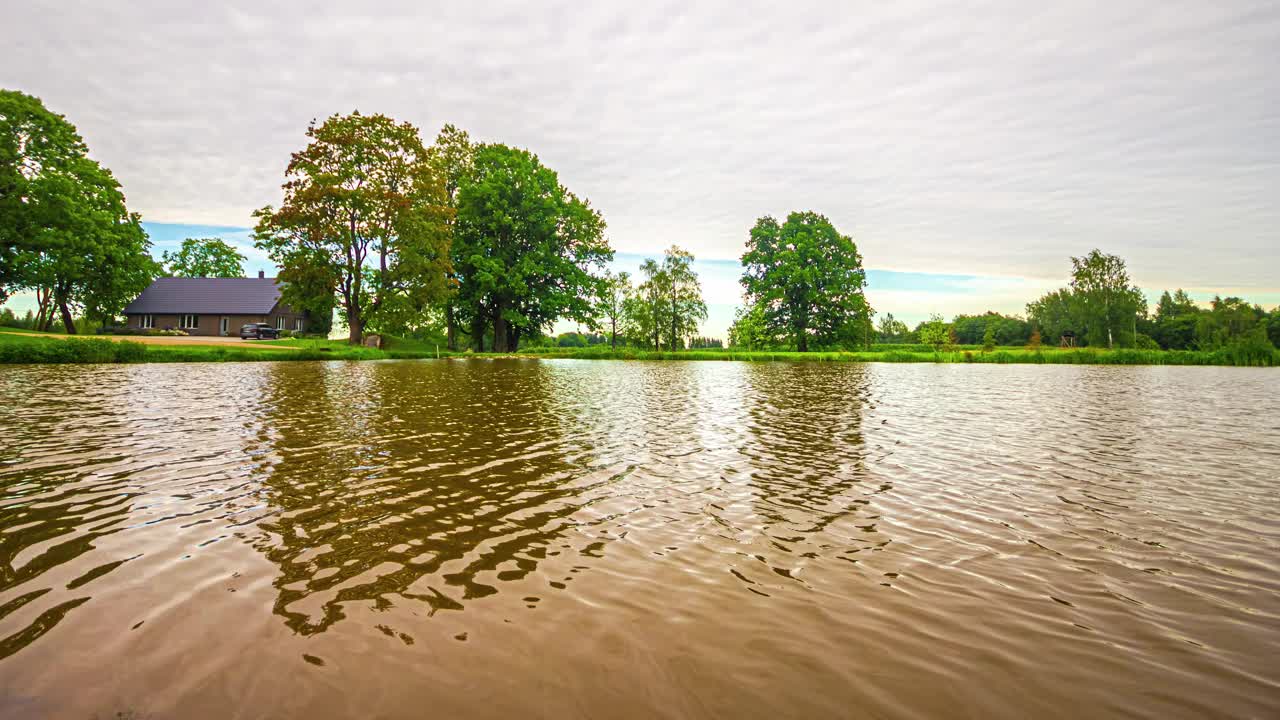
[(1145, 342), (808, 279), (571, 339), (1101, 307), (1007, 330), (1229, 321), (1253, 348), (989, 338), (891, 330), (750, 329), (524, 248), (365, 216), (612, 304), (934, 332), (1109, 304), (1175, 321), (205, 257), (667, 307), (65, 232)]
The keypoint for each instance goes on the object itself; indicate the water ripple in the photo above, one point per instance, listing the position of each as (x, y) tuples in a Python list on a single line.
[(652, 539)]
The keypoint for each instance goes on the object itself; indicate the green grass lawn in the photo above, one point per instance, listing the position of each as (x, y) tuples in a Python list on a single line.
[(17, 346)]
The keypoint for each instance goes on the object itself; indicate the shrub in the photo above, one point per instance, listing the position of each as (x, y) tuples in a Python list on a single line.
[(1144, 342), (1253, 350), (130, 352)]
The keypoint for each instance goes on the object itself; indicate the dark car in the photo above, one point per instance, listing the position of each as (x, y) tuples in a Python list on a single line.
[(258, 331)]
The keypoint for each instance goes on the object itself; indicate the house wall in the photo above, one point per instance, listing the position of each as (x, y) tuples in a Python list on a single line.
[(290, 316), (208, 324), (205, 324)]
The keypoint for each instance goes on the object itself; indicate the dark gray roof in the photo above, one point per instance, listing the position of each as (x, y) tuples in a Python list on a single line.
[(207, 296)]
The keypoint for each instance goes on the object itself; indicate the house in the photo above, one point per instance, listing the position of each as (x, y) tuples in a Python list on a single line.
[(212, 306)]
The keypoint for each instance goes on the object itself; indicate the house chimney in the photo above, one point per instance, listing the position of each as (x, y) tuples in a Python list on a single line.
[(261, 274)]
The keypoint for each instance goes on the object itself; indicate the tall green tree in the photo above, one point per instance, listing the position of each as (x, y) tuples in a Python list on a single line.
[(204, 258), (453, 157), (526, 249), (615, 289), (365, 215), (1109, 303), (65, 232), (684, 304), (808, 278), (649, 310), (1175, 320)]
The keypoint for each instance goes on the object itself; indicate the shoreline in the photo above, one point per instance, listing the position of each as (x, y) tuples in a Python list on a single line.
[(18, 348)]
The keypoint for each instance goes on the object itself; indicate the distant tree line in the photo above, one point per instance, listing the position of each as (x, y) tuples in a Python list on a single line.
[(1101, 307)]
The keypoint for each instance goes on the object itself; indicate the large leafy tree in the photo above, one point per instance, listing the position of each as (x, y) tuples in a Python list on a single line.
[(808, 279), (365, 215), (205, 257), (525, 248), (1101, 306), (65, 232), (1109, 303)]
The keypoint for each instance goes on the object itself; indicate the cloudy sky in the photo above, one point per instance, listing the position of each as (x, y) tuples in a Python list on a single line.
[(969, 148)]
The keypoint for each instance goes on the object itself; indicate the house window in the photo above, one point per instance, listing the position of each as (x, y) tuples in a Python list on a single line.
[(279, 322), (146, 322), (297, 324), (188, 322)]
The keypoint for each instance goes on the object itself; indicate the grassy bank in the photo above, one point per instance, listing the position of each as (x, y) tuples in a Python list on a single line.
[(923, 354), (27, 347)]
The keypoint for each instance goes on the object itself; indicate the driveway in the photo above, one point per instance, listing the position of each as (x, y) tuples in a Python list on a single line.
[(179, 340)]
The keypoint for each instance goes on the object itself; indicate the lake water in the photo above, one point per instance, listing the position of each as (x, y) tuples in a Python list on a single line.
[(626, 539)]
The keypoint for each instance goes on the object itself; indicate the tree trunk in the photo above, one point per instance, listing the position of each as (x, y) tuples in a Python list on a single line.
[(499, 330), (802, 342), (356, 336), (44, 309), (66, 315), (451, 328), (513, 338), (613, 334), (477, 332)]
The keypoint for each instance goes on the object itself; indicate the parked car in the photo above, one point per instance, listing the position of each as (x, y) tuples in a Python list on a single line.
[(258, 331)]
